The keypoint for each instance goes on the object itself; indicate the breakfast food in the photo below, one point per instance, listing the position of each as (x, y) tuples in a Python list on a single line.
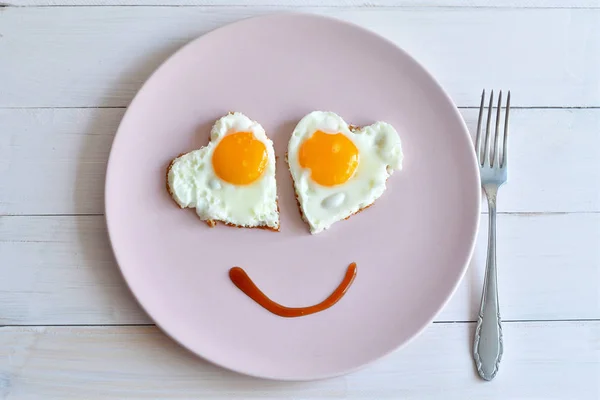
[(232, 179), (339, 169)]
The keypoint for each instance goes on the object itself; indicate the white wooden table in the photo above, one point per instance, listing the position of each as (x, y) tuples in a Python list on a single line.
[(69, 328)]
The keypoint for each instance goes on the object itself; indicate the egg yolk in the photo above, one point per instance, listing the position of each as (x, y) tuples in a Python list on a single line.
[(240, 158), (331, 158)]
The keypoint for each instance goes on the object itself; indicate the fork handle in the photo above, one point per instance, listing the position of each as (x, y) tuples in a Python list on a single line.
[(487, 349)]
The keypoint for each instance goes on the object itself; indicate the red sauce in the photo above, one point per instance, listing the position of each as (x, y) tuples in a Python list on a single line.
[(240, 279)]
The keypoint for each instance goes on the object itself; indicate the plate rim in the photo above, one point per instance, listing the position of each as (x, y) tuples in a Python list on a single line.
[(366, 31)]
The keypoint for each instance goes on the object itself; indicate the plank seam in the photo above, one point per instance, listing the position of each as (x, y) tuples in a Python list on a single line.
[(459, 107), (307, 6), (507, 321)]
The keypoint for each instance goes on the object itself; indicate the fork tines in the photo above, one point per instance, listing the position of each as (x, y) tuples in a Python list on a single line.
[(490, 154)]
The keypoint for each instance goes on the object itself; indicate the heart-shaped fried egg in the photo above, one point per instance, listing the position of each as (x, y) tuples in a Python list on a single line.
[(232, 179), (338, 169)]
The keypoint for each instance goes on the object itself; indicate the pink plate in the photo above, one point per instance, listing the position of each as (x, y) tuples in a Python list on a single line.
[(412, 247)]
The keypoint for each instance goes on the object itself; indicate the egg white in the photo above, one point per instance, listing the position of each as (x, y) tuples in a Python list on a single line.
[(380, 153), (193, 182)]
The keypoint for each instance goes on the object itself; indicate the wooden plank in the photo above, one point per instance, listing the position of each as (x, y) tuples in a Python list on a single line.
[(316, 3), (551, 167), (539, 256), (46, 65), (60, 270), (557, 360), (62, 153), (54, 161)]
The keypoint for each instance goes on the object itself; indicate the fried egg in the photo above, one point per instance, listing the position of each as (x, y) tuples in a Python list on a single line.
[(339, 169), (232, 179)]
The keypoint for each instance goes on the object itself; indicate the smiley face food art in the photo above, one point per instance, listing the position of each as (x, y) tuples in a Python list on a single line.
[(337, 169), (232, 179)]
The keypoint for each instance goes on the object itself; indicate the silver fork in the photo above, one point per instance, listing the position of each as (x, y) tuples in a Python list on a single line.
[(487, 349)]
